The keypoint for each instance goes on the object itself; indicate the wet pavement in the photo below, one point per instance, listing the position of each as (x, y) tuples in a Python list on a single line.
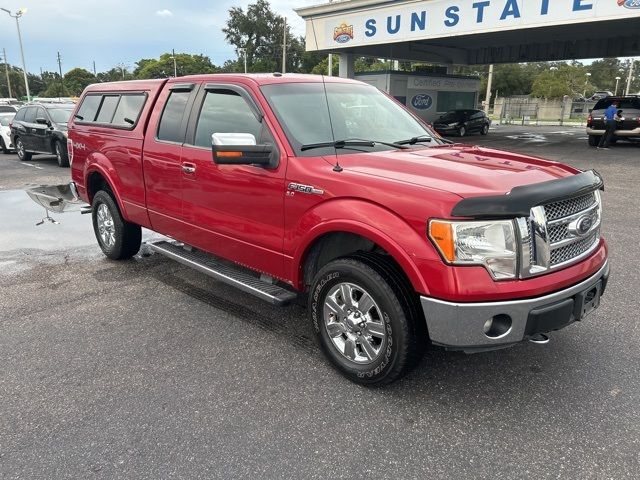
[(146, 369)]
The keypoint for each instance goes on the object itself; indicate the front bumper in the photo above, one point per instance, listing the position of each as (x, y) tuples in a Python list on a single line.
[(618, 133), (461, 326)]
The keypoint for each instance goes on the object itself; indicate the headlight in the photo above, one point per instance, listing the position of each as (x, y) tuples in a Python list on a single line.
[(489, 243), (452, 125)]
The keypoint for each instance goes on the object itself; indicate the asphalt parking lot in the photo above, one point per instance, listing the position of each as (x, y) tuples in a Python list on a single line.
[(146, 369)]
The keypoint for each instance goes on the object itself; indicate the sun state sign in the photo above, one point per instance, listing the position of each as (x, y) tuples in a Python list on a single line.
[(402, 21)]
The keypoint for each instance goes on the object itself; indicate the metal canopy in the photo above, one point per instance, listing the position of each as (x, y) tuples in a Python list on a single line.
[(510, 31)]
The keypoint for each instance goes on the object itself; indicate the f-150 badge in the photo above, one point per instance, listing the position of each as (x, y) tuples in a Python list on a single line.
[(298, 187)]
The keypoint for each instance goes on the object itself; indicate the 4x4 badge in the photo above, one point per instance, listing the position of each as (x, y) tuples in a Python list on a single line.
[(298, 187)]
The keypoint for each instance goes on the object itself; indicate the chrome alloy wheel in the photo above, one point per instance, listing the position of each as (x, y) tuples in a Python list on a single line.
[(59, 152), (354, 323), (20, 147), (106, 228)]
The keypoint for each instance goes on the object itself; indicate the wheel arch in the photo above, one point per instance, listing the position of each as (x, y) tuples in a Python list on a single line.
[(97, 177), (341, 238)]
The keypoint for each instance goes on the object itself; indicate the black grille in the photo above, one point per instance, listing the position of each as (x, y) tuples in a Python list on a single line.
[(564, 208)]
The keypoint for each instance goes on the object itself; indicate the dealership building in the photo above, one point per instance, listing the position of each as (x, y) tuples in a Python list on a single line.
[(468, 32)]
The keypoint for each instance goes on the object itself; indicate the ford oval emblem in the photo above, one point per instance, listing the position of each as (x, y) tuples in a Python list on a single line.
[(584, 224), (422, 101), (631, 3)]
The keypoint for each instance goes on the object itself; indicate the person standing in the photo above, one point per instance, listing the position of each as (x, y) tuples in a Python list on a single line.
[(610, 125)]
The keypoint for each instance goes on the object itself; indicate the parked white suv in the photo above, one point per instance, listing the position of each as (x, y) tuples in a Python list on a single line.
[(5, 139)]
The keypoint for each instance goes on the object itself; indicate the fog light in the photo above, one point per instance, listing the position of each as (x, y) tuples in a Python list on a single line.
[(498, 326)]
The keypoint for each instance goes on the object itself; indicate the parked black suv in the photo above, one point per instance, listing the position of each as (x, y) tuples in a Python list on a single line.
[(629, 128), (461, 122), (42, 128)]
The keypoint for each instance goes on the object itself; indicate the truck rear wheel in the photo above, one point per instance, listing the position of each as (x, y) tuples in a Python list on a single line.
[(117, 238), (363, 320)]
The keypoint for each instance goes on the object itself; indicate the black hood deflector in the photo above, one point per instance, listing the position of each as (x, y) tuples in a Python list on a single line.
[(520, 200)]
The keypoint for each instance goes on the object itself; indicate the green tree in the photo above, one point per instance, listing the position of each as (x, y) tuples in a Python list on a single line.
[(186, 65), (77, 79), (258, 33), (115, 74), (560, 79)]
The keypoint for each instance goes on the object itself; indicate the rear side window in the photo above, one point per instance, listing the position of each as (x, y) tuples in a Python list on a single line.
[(129, 109), (89, 108), (119, 110), (624, 103), (170, 124), (107, 109), (20, 114), (30, 115)]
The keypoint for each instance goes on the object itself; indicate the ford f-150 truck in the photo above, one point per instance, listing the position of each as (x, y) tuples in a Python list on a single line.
[(299, 186)]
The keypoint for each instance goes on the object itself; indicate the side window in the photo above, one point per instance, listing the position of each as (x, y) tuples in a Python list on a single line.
[(169, 128), (89, 108), (40, 113), (129, 109), (225, 111), (30, 115), (109, 104), (20, 114)]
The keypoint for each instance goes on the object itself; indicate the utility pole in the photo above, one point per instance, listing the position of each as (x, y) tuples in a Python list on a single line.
[(487, 98), (17, 16), (284, 47), (94, 69), (6, 70), (61, 80), (629, 77), (175, 65), (330, 65)]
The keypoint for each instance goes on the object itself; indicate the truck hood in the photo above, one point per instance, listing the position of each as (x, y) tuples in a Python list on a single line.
[(465, 170)]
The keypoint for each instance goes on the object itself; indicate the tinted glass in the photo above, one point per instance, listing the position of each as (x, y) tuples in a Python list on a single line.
[(225, 111), (30, 115), (129, 109), (5, 119), (455, 101), (60, 115), (6, 108), (171, 121), (624, 103), (357, 112), (20, 114), (40, 113), (89, 108), (108, 107)]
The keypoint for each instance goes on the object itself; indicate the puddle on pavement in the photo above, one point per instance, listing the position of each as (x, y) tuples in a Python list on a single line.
[(19, 215)]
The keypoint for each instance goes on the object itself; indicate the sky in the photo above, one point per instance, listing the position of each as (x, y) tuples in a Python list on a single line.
[(112, 32)]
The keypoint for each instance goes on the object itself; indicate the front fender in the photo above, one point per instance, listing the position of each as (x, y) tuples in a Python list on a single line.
[(371, 221)]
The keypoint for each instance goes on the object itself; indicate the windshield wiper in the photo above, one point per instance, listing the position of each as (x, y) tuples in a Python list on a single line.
[(350, 143), (414, 140)]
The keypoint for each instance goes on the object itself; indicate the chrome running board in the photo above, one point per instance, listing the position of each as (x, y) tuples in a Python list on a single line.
[(231, 275)]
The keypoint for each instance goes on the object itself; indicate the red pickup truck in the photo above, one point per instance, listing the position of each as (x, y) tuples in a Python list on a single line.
[(294, 185)]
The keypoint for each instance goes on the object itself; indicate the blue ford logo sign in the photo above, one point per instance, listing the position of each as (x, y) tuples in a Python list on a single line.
[(632, 4), (422, 101)]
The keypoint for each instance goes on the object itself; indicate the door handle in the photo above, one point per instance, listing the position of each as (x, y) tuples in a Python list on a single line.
[(188, 168)]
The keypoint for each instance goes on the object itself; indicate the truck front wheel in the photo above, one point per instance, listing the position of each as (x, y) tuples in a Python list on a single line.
[(117, 238), (363, 320)]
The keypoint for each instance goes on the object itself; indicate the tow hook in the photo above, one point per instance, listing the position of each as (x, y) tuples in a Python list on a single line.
[(539, 339)]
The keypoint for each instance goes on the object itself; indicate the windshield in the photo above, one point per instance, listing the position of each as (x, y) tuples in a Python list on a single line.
[(60, 115), (5, 120), (358, 112)]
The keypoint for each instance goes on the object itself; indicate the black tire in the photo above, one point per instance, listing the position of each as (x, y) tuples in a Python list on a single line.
[(126, 237), (484, 130), (405, 339), (3, 147), (61, 154), (23, 155), (594, 140), (462, 131)]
